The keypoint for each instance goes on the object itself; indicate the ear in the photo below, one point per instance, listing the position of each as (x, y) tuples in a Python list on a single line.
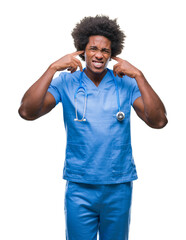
[(83, 56)]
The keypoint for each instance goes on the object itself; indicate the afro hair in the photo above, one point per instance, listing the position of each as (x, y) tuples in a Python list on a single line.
[(102, 26)]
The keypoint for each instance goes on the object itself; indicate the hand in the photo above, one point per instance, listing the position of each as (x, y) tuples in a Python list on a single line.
[(124, 68), (69, 62)]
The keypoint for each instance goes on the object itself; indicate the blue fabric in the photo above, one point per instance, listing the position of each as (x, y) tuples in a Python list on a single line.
[(98, 150), (91, 209)]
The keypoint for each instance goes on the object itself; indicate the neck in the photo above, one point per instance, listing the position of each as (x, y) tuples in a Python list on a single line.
[(95, 77)]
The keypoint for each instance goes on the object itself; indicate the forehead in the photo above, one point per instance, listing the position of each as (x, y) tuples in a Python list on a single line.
[(99, 41)]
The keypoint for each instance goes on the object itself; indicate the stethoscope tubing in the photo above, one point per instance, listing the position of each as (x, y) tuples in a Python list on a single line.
[(120, 115)]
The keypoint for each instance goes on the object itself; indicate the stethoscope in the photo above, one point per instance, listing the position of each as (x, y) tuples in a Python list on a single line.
[(119, 115)]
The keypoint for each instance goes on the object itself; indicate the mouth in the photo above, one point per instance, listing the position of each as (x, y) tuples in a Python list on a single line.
[(98, 64)]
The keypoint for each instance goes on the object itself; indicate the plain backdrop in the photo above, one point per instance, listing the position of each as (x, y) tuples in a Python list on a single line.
[(36, 33)]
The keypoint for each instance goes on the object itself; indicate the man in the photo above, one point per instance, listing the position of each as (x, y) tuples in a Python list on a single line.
[(99, 166)]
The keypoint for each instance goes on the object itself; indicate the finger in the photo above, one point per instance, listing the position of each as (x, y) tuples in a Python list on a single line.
[(71, 66), (74, 65), (116, 58), (73, 70), (120, 74), (77, 53), (115, 69), (78, 63)]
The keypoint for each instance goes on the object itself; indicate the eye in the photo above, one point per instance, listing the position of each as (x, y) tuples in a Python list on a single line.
[(105, 50), (93, 48)]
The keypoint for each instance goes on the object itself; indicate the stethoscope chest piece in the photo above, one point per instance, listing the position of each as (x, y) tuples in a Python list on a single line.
[(120, 116)]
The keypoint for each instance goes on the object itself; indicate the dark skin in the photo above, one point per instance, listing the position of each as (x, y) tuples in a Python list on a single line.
[(37, 101), (148, 107)]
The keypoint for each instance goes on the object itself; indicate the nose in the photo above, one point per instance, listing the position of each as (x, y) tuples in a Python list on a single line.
[(99, 55)]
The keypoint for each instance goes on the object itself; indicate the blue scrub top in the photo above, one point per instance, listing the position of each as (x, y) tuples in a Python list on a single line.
[(98, 150)]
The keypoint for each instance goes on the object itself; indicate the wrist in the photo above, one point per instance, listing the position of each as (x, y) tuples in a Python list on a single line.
[(138, 74), (53, 68)]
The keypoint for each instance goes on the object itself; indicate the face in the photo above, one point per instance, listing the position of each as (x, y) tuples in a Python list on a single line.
[(97, 53)]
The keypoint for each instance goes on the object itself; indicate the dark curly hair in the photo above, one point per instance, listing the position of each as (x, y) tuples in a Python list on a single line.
[(102, 26)]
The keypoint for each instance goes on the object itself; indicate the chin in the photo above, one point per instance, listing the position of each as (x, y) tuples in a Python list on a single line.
[(97, 70)]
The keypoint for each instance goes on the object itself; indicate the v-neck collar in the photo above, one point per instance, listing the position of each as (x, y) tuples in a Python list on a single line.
[(91, 83)]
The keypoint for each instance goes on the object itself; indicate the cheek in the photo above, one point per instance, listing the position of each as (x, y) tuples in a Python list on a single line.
[(108, 60), (87, 57)]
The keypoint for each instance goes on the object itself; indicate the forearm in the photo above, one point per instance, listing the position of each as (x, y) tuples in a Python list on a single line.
[(33, 99), (154, 108)]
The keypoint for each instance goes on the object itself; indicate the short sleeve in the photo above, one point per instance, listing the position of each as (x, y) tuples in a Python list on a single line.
[(55, 88), (135, 92)]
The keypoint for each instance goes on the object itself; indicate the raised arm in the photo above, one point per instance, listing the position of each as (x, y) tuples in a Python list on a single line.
[(37, 101), (149, 106)]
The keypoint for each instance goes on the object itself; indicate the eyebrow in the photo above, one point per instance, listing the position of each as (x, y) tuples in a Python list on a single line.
[(106, 49), (103, 49)]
